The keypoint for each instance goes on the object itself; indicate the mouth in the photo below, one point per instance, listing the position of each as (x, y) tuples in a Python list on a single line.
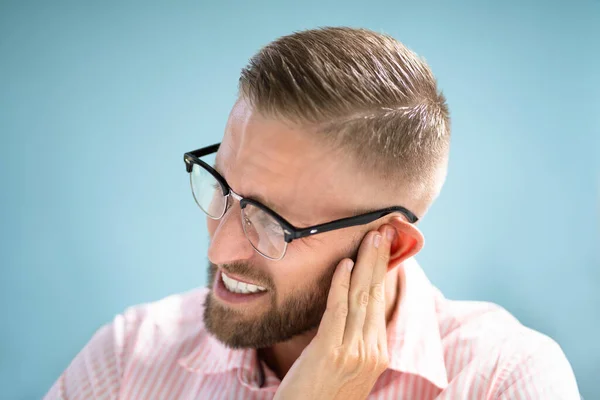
[(234, 291)]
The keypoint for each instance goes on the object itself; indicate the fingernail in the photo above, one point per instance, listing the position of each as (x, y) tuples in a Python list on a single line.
[(376, 241), (390, 233), (349, 264)]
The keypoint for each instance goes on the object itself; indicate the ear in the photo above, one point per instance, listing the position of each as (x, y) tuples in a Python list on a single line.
[(408, 241)]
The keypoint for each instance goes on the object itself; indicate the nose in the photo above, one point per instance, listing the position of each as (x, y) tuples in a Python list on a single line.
[(228, 241)]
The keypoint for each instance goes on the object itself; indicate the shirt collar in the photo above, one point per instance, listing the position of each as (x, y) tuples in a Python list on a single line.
[(414, 342)]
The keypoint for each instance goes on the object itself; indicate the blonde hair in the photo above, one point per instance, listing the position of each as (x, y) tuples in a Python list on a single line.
[(366, 93)]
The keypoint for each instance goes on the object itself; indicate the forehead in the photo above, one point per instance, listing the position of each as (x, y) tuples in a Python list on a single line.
[(285, 166)]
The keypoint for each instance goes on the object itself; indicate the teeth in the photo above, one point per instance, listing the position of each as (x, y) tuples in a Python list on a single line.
[(252, 288), (240, 287)]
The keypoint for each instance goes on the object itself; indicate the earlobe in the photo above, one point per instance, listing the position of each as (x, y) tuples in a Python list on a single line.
[(408, 242)]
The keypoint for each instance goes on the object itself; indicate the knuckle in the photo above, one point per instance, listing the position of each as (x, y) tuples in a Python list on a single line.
[(383, 361), (345, 283), (372, 359), (362, 298), (337, 357), (377, 292), (360, 358), (351, 351), (383, 256), (356, 356)]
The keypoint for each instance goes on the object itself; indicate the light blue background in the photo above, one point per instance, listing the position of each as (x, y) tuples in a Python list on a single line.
[(99, 101)]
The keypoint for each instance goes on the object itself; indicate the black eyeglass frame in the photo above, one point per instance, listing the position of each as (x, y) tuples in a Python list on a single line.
[(290, 231)]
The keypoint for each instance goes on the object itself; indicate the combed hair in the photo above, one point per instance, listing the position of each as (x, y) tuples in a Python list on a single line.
[(365, 93)]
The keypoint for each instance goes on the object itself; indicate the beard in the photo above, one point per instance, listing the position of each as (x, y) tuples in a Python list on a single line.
[(300, 312)]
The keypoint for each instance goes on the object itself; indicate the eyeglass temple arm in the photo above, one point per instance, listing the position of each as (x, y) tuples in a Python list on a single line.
[(205, 150), (362, 219)]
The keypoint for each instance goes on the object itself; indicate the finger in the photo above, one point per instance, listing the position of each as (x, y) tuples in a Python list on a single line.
[(360, 282), (375, 324), (333, 323)]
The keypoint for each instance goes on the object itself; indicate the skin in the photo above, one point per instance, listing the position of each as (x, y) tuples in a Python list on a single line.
[(349, 352), (307, 183)]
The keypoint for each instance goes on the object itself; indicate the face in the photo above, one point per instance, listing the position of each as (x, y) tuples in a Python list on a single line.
[(306, 183)]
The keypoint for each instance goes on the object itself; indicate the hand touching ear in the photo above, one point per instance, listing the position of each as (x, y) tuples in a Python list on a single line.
[(349, 352)]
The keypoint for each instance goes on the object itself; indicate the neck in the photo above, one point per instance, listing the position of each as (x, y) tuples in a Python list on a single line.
[(282, 356)]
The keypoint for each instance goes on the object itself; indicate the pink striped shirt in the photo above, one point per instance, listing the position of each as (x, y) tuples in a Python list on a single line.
[(438, 349)]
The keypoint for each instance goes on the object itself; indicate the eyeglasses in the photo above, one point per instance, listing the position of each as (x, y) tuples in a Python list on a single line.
[(268, 232)]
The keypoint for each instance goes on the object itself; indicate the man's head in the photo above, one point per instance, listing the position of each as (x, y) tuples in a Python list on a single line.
[(329, 123)]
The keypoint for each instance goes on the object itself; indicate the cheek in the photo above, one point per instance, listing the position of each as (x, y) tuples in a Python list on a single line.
[(305, 262), (333, 247)]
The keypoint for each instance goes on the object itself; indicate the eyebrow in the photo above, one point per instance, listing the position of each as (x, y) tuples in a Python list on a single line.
[(256, 197)]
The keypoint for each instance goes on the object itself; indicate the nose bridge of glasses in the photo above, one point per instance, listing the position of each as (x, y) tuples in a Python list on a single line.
[(235, 195), (278, 255)]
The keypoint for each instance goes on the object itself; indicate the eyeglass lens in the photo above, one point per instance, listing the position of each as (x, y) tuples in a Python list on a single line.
[(262, 230)]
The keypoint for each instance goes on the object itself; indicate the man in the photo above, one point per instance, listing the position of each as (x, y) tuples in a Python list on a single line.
[(337, 145)]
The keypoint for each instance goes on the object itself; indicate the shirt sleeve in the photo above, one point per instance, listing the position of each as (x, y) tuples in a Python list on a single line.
[(97, 370), (544, 374)]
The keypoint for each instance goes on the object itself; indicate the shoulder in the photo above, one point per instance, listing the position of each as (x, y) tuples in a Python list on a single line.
[(168, 321), (534, 365), (483, 339), (142, 338)]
